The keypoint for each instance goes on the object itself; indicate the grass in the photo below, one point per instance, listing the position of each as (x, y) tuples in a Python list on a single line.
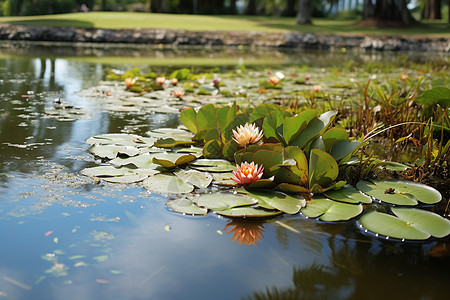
[(121, 20)]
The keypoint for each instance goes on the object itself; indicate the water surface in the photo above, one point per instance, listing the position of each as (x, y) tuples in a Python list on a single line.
[(66, 237)]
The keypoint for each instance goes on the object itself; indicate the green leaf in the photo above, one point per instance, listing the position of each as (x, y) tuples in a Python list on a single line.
[(229, 149), (323, 169), (331, 211), (437, 95), (391, 226), (248, 212), (332, 136), (292, 188), (223, 201), (315, 127), (206, 117), (172, 160), (424, 220), (262, 110), (212, 165), (167, 184), (271, 122), (181, 74), (199, 179), (400, 192), (301, 167), (293, 126), (281, 201), (213, 149), (348, 194), (186, 206), (112, 151), (171, 143), (343, 148)]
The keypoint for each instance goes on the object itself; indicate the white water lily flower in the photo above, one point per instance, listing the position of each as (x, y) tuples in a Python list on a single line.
[(247, 134)]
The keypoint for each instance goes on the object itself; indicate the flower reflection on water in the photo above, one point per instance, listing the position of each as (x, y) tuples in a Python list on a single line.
[(245, 231)]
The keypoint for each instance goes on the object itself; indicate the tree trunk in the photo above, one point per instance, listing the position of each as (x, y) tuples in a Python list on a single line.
[(233, 8), (148, 6), (432, 10), (290, 10), (388, 13), (251, 8), (304, 12)]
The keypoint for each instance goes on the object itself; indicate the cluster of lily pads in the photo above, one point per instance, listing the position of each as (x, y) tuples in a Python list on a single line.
[(263, 161)]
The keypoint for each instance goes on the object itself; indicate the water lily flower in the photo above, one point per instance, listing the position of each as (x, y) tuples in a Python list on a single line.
[(404, 76), (316, 88), (216, 82), (307, 77), (160, 80), (178, 93), (129, 82), (274, 80), (247, 134), (247, 173), (174, 81)]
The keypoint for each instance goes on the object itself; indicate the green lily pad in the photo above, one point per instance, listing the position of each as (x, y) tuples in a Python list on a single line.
[(223, 179), (171, 143), (223, 201), (248, 212), (281, 201), (330, 211), (212, 165), (174, 133), (348, 194), (400, 192), (144, 161), (424, 220), (199, 179), (172, 160), (112, 151), (410, 224), (167, 184), (186, 206), (121, 139), (118, 175)]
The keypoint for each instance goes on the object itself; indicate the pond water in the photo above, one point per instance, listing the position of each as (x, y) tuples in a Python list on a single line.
[(65, 236)]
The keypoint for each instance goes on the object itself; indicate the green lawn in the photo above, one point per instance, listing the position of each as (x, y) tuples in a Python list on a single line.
[(117, 20)]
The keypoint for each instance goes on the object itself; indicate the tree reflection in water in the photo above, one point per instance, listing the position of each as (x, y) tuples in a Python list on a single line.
[(354, 264), (247, 232)]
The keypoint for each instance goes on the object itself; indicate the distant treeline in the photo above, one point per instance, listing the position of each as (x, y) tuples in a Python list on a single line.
[(380, 10)]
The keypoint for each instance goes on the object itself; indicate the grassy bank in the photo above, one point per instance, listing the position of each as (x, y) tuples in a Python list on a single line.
[(118, 20)]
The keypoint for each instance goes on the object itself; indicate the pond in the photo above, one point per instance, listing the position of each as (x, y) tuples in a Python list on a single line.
[(66, 236)]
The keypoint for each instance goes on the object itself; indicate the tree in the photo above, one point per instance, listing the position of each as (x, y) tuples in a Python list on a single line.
[(386, 13), (304, 12), (250, 9), (432, 10)]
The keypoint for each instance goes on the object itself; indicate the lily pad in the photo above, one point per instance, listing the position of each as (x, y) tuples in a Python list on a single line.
[(172, 160), (112, 151), (410, 223), (186, 206), (248, 212), (212, 165), (400, 192), (330, 211), (197, 178), (223, 201), (281, 201), (348, 194), (167, 184)]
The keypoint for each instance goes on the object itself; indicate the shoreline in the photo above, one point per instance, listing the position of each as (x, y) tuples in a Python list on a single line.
[(182, 38)]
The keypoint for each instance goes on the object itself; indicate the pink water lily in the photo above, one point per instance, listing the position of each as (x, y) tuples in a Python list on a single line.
[(247, 173), (160, 81), (274, 80), (129, 82), (247, 134)]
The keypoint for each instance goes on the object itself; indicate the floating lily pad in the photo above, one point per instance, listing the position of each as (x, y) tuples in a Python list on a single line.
[(212, 165), (248, 212), (174, 133), (281, 201), (112, 151), (348, 194), (167, 184), (410, 223), (186, 206), (400, 192), (223, 201), (197, 178), (172, 160), (223, 179), (144, 161), (330, 211)]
